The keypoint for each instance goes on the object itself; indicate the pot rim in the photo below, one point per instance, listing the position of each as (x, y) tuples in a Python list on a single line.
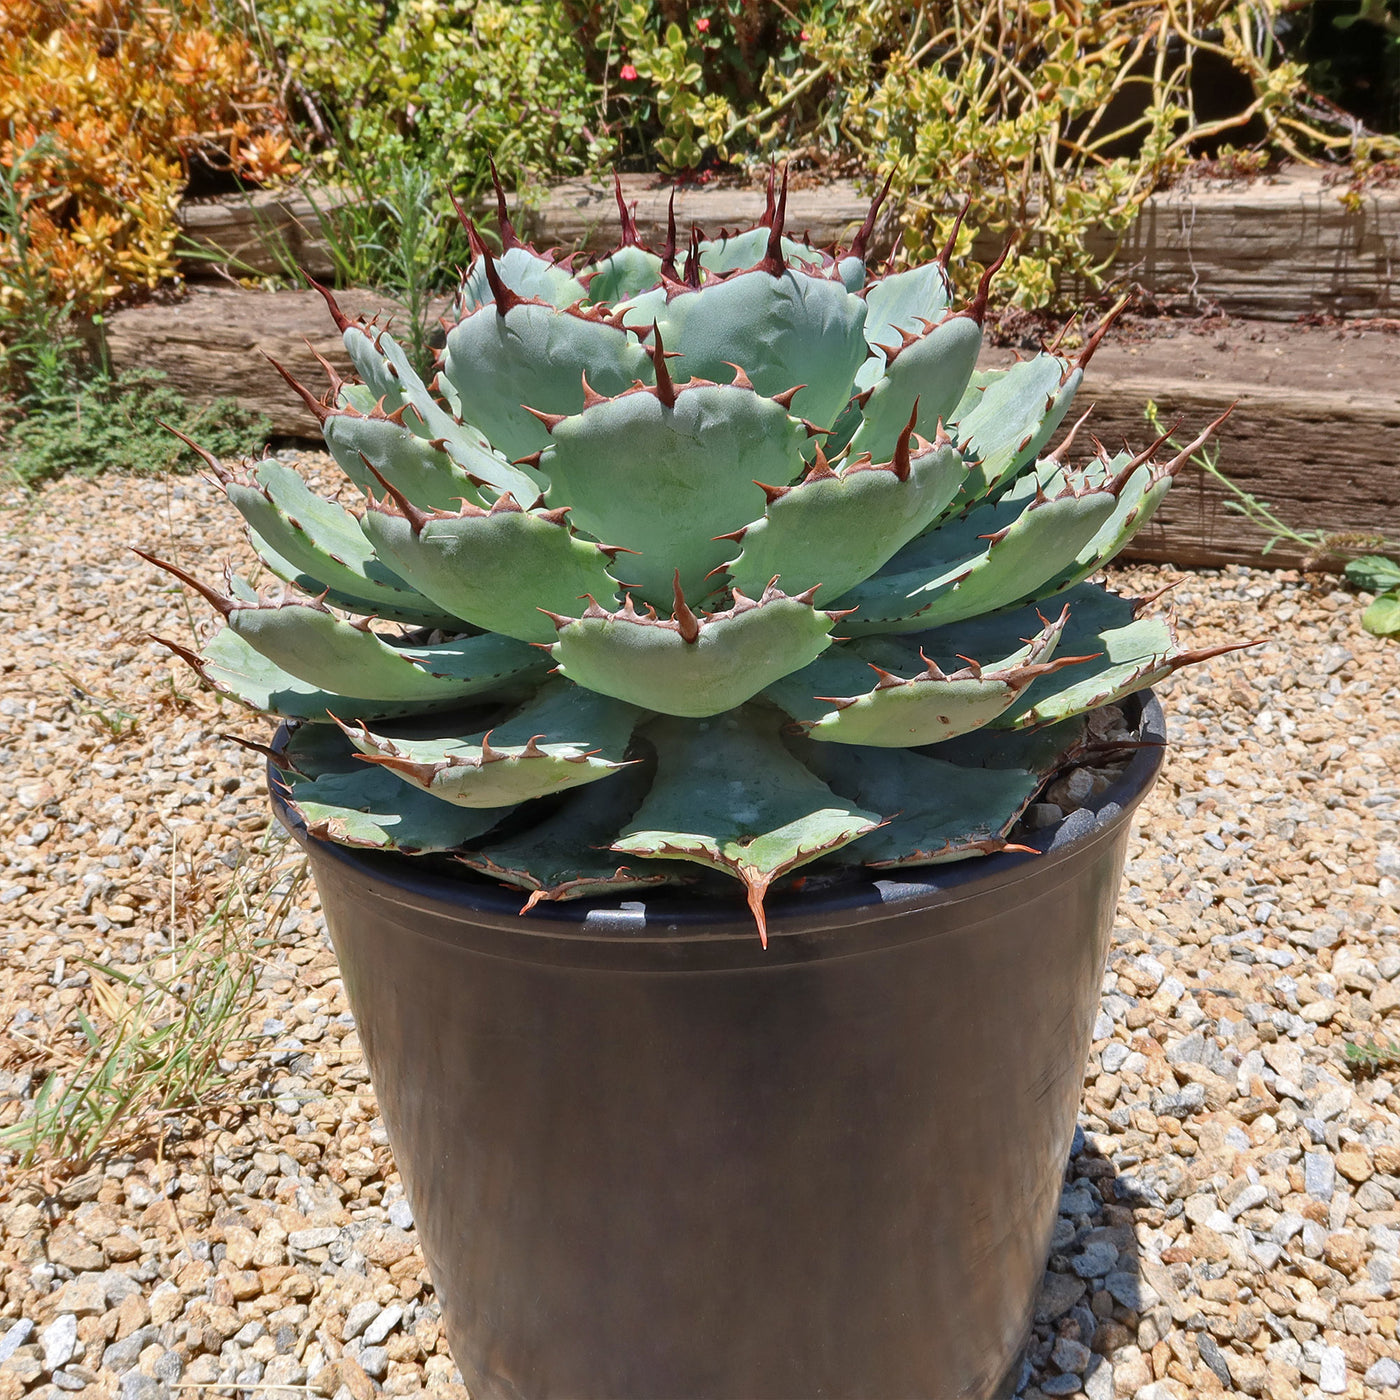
[(662, 914)]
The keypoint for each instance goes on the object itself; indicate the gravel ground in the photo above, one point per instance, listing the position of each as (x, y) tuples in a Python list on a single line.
[(1229, 1221)]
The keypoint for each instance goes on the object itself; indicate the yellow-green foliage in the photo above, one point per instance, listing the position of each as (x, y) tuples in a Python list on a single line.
[(1053, 116), (102, 105), (446, 84)]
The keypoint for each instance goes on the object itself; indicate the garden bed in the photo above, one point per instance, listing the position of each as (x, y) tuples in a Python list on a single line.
[(1275, 247), (1314, 433)]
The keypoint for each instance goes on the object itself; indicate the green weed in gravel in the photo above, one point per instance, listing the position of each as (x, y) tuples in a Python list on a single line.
[(113, 423), (169, 1039)]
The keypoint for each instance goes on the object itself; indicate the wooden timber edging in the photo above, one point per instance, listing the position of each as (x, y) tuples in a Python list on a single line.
[(1275, 248), (1316, 432)]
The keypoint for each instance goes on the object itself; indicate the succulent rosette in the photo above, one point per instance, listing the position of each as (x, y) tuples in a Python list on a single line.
[(727, 558)]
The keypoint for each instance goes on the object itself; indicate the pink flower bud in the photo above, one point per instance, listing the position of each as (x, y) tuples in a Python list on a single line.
[(628, 74)]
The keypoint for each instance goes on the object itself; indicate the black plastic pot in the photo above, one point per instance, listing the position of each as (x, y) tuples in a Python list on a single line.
[(649, 1159)]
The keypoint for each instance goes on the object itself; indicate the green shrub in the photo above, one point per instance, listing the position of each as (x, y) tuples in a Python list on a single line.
[(1053, 117), (443, 85), (114, 424)]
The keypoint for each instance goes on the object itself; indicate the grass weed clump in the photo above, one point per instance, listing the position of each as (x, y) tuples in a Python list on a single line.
[(167, 1041), (114, 423)]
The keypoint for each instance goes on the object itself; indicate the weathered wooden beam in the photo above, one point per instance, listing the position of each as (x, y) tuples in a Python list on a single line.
[(1275, 248), (1316, 433), (216, 341), (259, 233)]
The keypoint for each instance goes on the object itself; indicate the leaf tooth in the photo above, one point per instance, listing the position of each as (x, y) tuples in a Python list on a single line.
[(307, 397), (784, 400), (820, 470), (740, 380), (590, 394), (550, 420), (332, 374), (686, 621), (342, 322), (861, 242), (900, 464), (217, 600), (931, 668), (1061, 452), (1140, 605), (945, 256), (1101, 330)]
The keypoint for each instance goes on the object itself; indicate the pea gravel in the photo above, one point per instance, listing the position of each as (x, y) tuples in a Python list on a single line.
[(1229, 1222)]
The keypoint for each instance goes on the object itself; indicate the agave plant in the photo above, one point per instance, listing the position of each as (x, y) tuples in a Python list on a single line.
[(731, 559)]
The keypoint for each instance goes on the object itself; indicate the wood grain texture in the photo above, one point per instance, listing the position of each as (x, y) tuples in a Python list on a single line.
[(1274, 249), (1316, 433), (216, 341), (258, 234)]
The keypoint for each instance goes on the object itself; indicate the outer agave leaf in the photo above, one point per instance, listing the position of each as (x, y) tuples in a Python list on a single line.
[(559, 856), (393, 382), (499, 360), (426, 472), (728, 795), (808, 328), (584, 738), (229, 666), (980, 562), (1140, 484), (1133, 651), (319, 546), (497, 568), (940, 812), (426, 616), (661, 472), (692, 666), (835, 531), (1009, 415), (372, 808), (308, 641), (927, 373), (928, 707)]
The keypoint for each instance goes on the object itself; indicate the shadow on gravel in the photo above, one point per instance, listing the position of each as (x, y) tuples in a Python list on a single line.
[(1093, 1297)]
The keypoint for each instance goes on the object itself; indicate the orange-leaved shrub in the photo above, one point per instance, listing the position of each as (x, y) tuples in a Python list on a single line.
[(104, 104)]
